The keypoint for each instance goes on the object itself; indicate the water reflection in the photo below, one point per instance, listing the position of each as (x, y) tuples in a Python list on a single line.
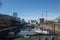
[(39, 37)]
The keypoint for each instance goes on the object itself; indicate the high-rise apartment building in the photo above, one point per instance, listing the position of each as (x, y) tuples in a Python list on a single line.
[(14, 14)]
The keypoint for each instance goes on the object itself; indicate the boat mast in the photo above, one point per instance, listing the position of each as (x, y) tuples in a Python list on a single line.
[(46, 15), (46, 19)]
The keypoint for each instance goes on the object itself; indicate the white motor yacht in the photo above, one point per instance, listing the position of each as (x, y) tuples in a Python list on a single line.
[(40, 31)]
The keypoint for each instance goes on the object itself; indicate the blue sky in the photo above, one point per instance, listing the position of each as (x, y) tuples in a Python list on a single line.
[(31, 9)]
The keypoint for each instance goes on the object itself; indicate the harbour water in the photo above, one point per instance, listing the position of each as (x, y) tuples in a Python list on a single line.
[(39, 37), (27, 37)]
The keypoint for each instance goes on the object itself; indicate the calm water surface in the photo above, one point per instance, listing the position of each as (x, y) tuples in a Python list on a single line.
[(30, 38)]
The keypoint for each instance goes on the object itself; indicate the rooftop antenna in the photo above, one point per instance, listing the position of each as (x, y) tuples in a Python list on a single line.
[(42, 14), (0, 5)]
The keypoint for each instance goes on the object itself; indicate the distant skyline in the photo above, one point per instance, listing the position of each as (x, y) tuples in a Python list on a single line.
[(31, 9)]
